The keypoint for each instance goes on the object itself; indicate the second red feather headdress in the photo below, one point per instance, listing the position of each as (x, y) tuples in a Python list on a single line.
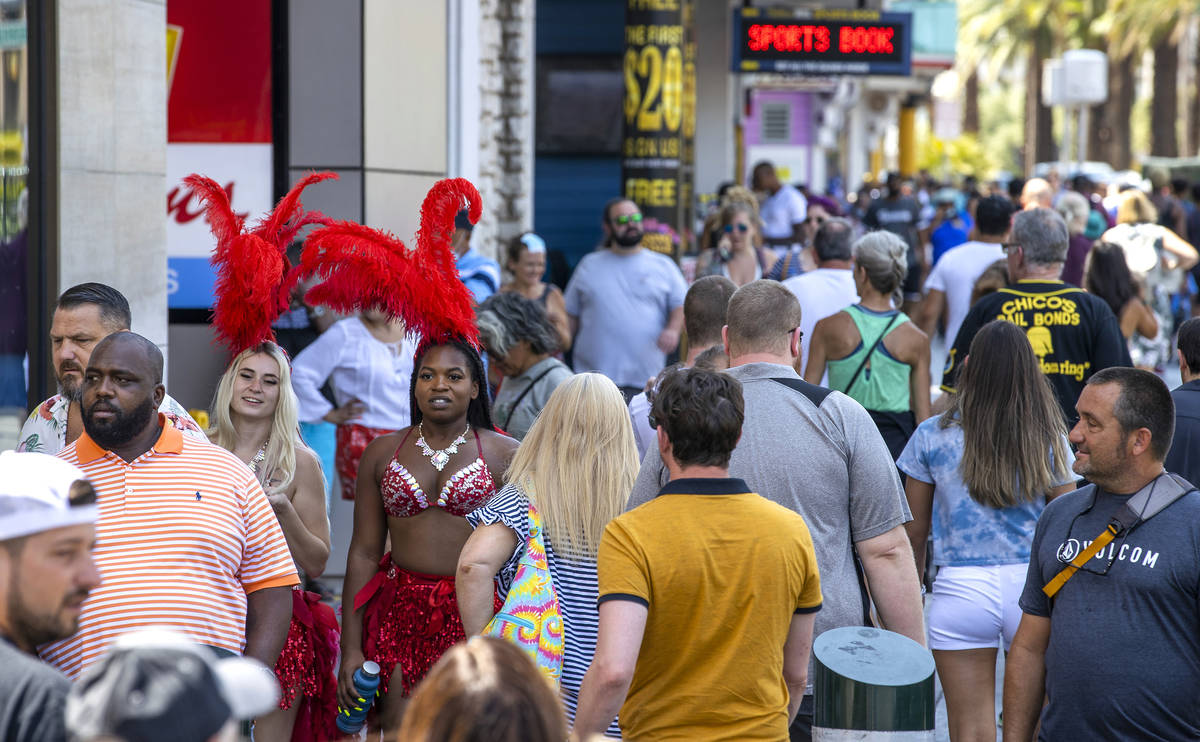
[(364, 268)]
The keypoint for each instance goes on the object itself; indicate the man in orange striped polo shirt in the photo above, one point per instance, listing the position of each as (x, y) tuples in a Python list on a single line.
[(186, 538)]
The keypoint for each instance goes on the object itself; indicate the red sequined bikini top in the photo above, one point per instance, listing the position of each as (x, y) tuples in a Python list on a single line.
[(469, 488)]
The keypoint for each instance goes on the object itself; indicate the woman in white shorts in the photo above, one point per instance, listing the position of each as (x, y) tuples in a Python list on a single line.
[(979, 475)]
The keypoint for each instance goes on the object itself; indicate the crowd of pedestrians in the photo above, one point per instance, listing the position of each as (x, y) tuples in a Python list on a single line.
[(626, 507)]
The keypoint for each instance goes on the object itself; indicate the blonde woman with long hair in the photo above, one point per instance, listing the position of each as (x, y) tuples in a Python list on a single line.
[(979, 475), (577, 466), (255, 417)]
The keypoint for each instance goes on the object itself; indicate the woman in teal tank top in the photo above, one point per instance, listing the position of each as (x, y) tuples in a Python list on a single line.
[(874, 353)]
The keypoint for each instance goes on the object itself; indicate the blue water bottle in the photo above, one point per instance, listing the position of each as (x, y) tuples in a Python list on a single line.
[(366, 680)]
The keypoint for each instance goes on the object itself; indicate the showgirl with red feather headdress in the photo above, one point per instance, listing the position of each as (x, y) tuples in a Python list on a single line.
[(255, 417), (443, 466)]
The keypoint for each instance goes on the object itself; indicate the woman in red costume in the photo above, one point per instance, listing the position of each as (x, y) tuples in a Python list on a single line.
[(415, 485), (418, 485), (255, 415)]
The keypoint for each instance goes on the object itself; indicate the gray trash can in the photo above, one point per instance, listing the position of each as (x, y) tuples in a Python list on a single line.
[(871, 684)]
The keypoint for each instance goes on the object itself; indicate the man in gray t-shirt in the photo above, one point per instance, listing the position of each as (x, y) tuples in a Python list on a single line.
[(47, 534), (624, 304), (818, 453), (1116, 648)]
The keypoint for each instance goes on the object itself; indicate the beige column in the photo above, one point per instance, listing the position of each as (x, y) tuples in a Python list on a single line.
[(112, 142)]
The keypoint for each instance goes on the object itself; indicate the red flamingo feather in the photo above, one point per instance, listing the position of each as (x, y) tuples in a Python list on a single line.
[(254, 279), (364, 268)]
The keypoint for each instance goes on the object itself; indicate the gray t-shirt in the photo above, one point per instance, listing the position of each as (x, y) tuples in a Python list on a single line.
[(544, 376), (623, 303), (32, 695), (1124, 655), (826, 462)]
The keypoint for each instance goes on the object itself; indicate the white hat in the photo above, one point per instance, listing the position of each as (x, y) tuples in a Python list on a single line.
[(158, 684), (35, 495)]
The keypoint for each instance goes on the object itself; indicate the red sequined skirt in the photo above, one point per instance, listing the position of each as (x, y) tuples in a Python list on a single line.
[(306, 668), (352, 440), (410, 620)]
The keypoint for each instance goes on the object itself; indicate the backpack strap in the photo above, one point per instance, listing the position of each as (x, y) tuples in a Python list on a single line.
[(1148, 502), (816, 395)]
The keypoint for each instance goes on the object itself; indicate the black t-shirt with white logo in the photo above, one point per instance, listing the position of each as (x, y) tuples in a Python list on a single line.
[(1073, 333), (1123, 661)]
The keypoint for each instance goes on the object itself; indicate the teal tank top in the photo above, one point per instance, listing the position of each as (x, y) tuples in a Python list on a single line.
[(883, 383)]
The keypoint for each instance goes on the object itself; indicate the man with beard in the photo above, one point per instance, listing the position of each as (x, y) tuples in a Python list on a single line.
[(47, 512), (624, 304), (1112, 597), (85, 314), (187, 538)]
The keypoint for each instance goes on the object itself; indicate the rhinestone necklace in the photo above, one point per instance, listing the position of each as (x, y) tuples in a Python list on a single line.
[(258, 457), (440, 457)]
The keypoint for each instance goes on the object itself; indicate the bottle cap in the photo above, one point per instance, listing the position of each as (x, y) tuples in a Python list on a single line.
[(370, 668)]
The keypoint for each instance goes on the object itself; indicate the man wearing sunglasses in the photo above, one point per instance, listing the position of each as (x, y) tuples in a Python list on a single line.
[(624, 304), (1114, 646)]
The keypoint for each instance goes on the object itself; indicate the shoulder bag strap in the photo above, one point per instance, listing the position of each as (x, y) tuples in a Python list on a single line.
[(871, 352), (1133, 512), (526, 391)]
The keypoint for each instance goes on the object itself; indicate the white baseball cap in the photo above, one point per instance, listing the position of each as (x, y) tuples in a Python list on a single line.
[(156, 684), (35, 495)]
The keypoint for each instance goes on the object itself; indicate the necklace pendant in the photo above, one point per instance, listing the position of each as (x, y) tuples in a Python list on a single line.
[(439, 459)]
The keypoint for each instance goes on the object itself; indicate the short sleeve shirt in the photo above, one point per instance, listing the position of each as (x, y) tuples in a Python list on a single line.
[(185, 533), (711, 659), (623, 303), (1073, 333), (45, 431), (782, 211), (966, 533), (1139, 621), (32, 696), (955, 276)]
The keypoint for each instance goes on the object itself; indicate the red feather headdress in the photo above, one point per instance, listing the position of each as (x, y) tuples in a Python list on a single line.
[(254, 276), (364, 268)]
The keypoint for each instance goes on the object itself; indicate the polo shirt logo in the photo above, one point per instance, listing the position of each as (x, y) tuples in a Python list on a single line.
[(197, 497)]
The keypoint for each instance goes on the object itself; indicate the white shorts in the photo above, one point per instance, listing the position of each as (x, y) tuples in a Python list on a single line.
[(975, 607)]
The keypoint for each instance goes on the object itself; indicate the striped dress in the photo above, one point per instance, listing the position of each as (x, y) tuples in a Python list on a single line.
[(575, 582)]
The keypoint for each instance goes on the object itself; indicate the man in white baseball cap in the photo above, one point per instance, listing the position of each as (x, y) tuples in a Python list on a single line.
[(47, 534), (157, 684)]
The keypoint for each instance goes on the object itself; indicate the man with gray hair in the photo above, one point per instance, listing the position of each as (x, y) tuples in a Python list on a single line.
[(1073, 333), (830, 288)]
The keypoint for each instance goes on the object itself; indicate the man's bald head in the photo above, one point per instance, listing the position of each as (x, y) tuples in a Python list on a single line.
[(130, 348), (1037, 194)]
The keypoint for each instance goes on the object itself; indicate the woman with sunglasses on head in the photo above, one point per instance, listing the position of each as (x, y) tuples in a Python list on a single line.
[(417, 485), (255, 417), (876, 354), (978, 478), (738, 255), (527, 264), (801, 258)]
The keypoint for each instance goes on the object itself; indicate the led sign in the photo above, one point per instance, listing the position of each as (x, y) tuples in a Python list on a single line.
[(822, 42)]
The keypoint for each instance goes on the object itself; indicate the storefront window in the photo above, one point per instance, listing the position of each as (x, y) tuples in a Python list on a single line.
[(14, 219)]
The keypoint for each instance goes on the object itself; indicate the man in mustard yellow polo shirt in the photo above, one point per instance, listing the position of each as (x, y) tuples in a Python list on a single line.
[(707, 592)]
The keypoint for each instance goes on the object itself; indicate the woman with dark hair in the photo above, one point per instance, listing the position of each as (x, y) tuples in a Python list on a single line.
[(1109, 278), (519, 341), (979, 480), (484, 690), (416, 486), (527, 264)]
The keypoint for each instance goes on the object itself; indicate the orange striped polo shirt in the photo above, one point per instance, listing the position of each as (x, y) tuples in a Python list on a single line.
[(185, 533)]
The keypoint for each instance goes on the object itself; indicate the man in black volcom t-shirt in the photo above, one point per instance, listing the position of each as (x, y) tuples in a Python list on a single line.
[(1073, 333)]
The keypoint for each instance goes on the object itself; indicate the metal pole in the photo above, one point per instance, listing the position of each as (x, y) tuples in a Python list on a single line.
[(1082, 133)]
